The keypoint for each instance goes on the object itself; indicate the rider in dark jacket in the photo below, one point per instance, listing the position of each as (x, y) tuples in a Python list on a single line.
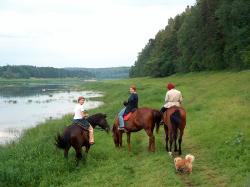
[(131, 106), (132, 103)]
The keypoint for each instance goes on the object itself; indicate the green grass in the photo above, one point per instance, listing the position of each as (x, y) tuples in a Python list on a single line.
[(217, 134)]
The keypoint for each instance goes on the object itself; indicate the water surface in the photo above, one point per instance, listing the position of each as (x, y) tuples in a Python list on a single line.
[(25, 106)]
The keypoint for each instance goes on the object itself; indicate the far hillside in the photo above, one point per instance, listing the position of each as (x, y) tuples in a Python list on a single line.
[(106, 73), (24, 71)]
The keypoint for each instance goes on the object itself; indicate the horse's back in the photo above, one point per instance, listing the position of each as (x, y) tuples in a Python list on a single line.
[(76, 133), (173, 109), (143, 113)]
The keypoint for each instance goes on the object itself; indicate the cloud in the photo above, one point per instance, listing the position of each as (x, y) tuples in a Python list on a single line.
[(80, 33)]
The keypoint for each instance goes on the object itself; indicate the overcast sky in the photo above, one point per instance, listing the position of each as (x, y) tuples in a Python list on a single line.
[(80, 33)]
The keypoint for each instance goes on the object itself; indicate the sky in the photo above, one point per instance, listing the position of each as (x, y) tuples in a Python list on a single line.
[(80, 33)]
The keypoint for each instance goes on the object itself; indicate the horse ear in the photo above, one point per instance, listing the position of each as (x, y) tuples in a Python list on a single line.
[(104, 115)]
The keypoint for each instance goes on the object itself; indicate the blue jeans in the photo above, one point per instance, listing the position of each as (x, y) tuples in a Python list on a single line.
[(120, 117)]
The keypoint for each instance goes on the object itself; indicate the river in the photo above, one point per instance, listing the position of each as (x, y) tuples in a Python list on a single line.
[(25, 106)]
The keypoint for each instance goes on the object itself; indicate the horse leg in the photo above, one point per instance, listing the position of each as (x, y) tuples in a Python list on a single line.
[(175, 139), (166, 138), (120, 139), (87, 148), (66, 151), (78, 154), (180, 140), (170, 141), (151, 142), (128, 141)]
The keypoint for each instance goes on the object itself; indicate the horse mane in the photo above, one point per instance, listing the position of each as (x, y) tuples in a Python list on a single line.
[(93, 119)]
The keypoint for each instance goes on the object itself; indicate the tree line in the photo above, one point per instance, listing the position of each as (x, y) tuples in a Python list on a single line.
[(109, 73), (211, 35), (25, 71)]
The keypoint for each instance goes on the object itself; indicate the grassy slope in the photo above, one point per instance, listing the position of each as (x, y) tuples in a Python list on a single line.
[(217, 134)]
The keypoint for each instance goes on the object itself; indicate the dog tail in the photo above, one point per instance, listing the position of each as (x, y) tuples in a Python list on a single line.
[(190, 158)]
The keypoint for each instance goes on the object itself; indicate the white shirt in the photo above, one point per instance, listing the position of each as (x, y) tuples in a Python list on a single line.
[(173, 98), (78, 111)]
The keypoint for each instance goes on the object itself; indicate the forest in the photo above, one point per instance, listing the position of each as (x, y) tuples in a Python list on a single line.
[(109, 73), (211, 35), (25, 71)]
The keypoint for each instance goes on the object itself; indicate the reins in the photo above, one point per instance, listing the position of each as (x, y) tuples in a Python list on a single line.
[(96, 128), (81, 127)]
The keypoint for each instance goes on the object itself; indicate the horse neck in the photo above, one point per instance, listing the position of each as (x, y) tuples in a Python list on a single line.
[(92, 121)]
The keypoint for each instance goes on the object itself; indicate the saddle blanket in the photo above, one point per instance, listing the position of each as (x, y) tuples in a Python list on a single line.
[(126, 117)]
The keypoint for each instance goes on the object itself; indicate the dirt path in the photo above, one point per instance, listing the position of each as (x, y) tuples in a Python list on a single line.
[(203, 174)]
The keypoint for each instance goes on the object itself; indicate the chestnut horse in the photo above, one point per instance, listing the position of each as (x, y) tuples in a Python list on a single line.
[(174, 119), (142, 118), (77, 136)]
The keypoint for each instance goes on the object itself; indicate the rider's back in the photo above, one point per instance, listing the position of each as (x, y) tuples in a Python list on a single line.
[(173, 98)]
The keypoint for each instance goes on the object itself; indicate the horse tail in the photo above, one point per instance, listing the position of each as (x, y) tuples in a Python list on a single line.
[(175, 118), (62, 142), (157, 119)]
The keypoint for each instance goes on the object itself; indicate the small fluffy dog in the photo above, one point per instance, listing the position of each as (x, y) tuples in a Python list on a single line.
[(184, 165)]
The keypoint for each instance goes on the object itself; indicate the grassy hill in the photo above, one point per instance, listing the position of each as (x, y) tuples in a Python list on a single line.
[(217, 133)]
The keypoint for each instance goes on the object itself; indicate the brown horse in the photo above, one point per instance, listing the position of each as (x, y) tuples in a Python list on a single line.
[(174, 120), (142, 118), (77, 136)]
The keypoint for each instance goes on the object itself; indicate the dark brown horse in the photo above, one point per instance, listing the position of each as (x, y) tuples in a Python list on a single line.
[(77, 136), (174, 122), (142, 118)]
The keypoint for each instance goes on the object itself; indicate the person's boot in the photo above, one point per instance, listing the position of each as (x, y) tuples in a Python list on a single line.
[(91, 135)]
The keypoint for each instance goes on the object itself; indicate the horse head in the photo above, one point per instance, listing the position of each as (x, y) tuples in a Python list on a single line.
[(100, 120)]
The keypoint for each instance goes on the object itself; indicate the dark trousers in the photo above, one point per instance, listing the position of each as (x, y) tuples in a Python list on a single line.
[(82, 121), (163, 109)]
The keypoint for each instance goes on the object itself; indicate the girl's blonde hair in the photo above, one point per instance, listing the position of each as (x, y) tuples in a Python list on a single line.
[(80, 98)]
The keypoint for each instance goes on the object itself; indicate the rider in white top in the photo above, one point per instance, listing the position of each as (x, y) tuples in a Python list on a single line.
[(173, 98), (78, 111), (80, 116)]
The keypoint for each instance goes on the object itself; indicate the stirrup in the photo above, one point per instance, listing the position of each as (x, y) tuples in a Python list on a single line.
[(122, 129)]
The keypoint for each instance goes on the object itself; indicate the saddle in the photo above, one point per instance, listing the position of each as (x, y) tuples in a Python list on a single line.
[(85, 129), (126, 117)]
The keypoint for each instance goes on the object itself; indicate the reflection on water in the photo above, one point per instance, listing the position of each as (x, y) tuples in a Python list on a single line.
[(31, 90), (24, 107)]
